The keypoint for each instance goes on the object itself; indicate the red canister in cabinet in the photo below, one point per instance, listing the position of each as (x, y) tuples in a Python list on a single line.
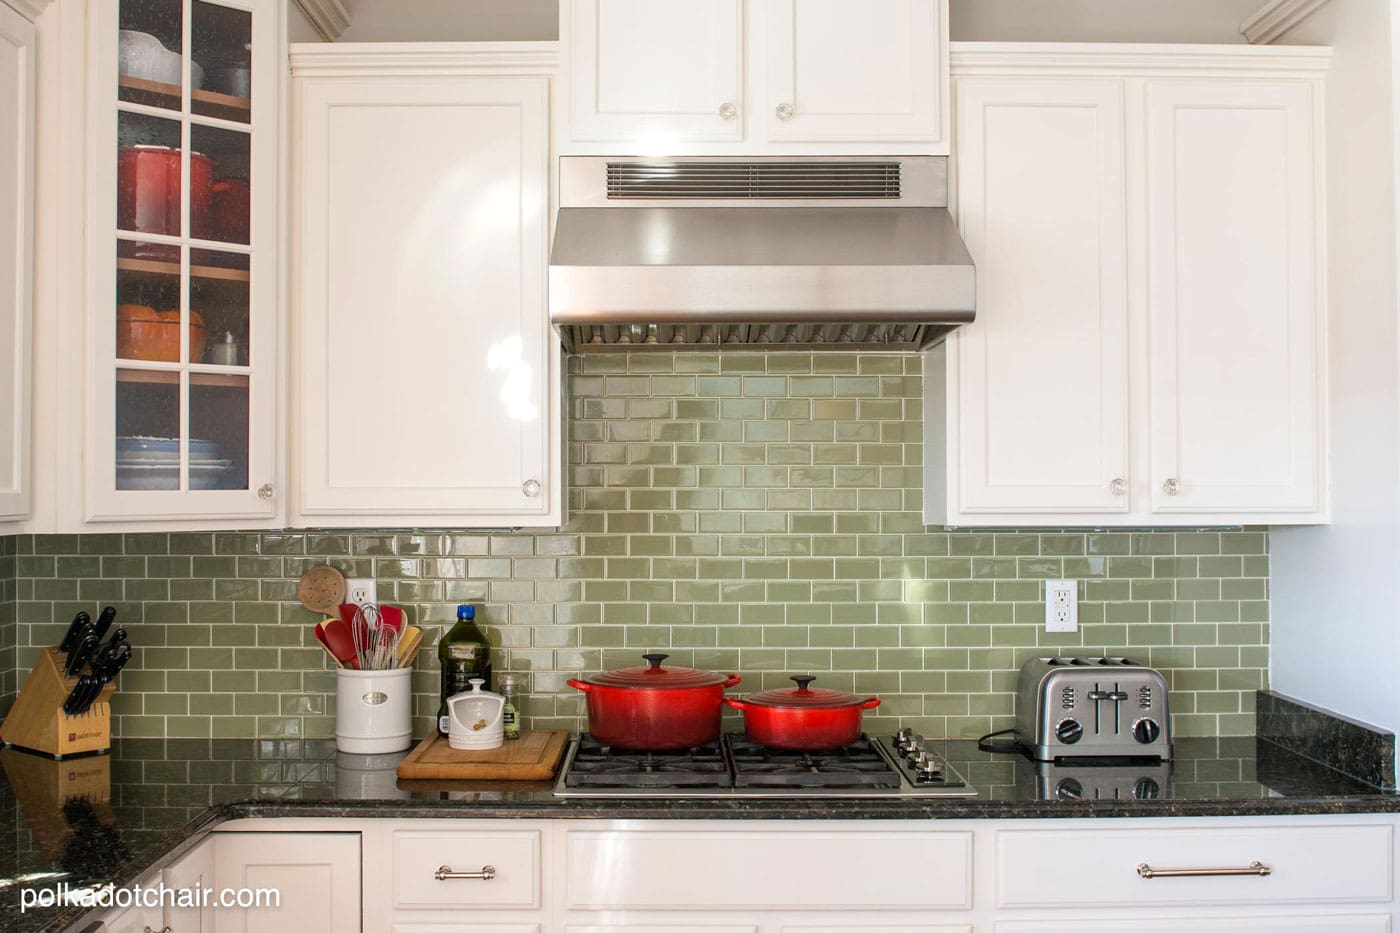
[(148, 195), (231, 210)]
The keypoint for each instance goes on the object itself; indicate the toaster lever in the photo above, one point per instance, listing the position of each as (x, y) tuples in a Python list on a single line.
[(1115, 695)]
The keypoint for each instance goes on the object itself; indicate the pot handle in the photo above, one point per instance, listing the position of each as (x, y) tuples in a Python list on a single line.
[(735, 703), (870, 703), (732, 680), (579, 685)]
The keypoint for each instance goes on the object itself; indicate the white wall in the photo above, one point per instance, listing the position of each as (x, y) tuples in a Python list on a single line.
[(299, 28), (1212, 21), (452, 20), (1335, 634)]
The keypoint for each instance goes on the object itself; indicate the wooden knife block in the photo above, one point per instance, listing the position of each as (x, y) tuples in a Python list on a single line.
[(37, 720)]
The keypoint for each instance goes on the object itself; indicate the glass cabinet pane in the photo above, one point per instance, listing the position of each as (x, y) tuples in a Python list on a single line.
[(219, 293), (148, 430), (227, 201), (222, 38), (219, 417), (150, 53), (150, 175)]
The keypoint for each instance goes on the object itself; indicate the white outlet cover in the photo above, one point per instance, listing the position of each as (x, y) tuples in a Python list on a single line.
[(1061, 605), (360, 590)]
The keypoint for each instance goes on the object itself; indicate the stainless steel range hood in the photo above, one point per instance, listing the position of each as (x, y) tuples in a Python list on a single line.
[(730, 253)]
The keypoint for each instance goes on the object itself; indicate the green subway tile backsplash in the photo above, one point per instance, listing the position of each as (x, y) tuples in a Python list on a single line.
[(752, 513)]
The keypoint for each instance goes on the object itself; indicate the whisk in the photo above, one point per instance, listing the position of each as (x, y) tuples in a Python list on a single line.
[(376, 642)]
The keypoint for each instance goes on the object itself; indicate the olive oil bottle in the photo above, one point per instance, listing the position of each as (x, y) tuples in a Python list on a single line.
[(463, 653)]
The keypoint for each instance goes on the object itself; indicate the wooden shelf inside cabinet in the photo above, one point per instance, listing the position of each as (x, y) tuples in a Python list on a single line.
[(166, 377), (154, 268), (213, 104)]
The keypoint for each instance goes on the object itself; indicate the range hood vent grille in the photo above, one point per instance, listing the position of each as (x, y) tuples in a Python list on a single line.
[(753, 180), (581, 338)]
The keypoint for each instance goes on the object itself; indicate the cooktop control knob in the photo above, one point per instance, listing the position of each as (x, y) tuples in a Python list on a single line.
[(1069, 731), (1146, 731), (1069, 789), (1146, 789)]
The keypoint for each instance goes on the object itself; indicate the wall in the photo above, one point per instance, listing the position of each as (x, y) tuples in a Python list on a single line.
[(1336, 589), (8, 627), (1210, 21), (751, 513), (299, 28), (452, 20)]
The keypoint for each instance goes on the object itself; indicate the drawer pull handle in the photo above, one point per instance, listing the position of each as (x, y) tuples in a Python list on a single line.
[(445, 873), (1255, 868)]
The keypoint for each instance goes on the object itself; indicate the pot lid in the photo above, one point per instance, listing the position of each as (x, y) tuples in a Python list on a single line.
[(656, 677), (803, 696)]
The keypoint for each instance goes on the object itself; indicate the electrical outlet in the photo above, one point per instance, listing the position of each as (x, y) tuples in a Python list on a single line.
[(1061, 605), (360, 591)]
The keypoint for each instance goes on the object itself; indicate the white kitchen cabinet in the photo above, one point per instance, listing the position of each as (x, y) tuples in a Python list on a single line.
[(1292, 923), (194, 871), (644, 70), (427, 385), (183, 275), (727, 77), (1147, 350), (317, 876), (17, 95)]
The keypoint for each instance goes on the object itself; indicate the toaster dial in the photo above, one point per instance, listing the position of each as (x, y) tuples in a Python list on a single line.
[(1146, 730), (1069, 731)]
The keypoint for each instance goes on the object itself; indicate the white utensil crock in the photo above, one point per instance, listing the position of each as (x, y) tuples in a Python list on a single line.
[(476, 718), (373, 711)]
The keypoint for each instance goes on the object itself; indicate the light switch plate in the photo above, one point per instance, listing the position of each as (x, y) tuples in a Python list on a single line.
[(1061, 605)]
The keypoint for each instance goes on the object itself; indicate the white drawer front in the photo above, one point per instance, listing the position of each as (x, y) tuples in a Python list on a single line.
[(1088, 868), (661, 928), (465, 926), (418, 856), (898, 928), (1367, 923), (769, 870)]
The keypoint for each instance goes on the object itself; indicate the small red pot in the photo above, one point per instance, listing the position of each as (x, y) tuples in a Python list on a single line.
[(655, 708), (801, 719)]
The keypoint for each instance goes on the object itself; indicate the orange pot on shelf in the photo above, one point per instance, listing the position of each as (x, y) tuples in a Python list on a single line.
[(143, 333)]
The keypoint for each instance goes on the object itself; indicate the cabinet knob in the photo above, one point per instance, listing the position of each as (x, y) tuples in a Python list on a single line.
[(784, 111), (1171, 487), (728, 111), (265, 491), (531, 488), (1119, 487)]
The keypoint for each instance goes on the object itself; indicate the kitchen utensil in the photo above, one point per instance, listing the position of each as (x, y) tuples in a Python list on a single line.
[(94, 690), (81, 653), (321, 589), (80, 689), (410, 639), (234, 80), (231, 210), (104, 622), (393, 617), (75, 631), (654, 707), (339, 640), (800, 718), (376, 643), (109, 650), (143, 56), (321, 637), (144, 333), (1082, 707), (534, 758), (148, 196), (372, 711), (224, 351)]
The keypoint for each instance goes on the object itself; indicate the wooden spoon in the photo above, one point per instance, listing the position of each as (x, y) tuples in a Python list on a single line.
[(321, 589), (409, 640)]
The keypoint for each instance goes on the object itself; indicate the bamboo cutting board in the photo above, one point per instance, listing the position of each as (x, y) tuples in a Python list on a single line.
[(532, 757)]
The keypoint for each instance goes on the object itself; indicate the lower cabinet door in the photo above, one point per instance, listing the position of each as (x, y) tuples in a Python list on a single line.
[(1367, 923), (316, 877), (133, 920), (465, 926), (663, 928)]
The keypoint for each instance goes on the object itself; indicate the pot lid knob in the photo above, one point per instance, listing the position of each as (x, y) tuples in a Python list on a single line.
[(802, 680), (655, 660)]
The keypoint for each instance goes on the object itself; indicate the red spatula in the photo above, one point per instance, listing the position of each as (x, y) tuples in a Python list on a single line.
[(321, 637), (340, 642)]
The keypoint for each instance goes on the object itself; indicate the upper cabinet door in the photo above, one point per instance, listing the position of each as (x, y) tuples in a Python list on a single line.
[(16, 257), (655, 72), (1039, 384), (1234, 297), (843, 72), (426, 373), (182, 352)]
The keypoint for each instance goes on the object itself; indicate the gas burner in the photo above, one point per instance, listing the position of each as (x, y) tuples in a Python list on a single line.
[(597, 765), (857, 765)]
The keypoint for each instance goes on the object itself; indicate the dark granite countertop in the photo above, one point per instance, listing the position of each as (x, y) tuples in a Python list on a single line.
[(108, 819)]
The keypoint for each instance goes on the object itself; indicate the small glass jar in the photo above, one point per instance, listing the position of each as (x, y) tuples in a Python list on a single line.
[(508, 686)]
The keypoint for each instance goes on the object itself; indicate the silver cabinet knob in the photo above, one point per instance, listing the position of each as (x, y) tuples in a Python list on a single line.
[(265, 491), (1171, 487), (784, 111), (728, 111), (1119, 487), (531, 488)]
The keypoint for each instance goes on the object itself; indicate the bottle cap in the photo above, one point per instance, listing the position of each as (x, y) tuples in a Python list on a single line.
[(466, 612)]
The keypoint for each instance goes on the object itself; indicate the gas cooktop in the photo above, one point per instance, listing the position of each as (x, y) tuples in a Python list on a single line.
[(903, 765)]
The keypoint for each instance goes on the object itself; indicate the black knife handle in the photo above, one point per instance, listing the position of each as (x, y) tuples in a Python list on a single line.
[(75, 630), (105, 620)]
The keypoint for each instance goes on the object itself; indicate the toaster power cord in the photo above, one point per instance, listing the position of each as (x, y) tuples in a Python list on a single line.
[(985, 744)]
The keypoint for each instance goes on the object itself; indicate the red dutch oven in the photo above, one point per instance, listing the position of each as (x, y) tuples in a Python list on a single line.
[(148, 194), (801, 719), (655, 708)]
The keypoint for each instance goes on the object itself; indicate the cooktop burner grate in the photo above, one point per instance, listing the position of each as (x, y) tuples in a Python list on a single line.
[(598, 765), (857, 765)]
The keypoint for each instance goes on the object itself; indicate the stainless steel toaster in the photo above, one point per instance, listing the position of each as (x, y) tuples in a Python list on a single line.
[(1092, 707)]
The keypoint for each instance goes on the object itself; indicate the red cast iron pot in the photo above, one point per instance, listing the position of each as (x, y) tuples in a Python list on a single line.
[(148, 195), (655, 708), (801, 719)]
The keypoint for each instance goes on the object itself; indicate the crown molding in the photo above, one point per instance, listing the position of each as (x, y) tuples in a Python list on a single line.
[(357, 59), (1276, 17), (328, 16), (990, 59), (29, 9)]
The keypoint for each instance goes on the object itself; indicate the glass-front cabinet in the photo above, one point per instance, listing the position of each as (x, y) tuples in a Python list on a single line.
[(183, 306)]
